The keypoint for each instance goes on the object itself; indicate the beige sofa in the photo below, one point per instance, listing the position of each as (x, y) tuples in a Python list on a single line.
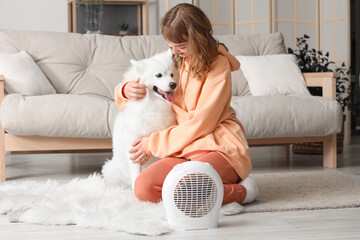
[(83, 71)]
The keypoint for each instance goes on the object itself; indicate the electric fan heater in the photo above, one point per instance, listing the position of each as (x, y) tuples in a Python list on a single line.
[(192, 194)]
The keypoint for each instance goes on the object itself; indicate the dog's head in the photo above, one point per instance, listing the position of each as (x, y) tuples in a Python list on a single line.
[(159, 74)]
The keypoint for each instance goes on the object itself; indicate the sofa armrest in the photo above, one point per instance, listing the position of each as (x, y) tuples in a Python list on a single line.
[(326, 80)]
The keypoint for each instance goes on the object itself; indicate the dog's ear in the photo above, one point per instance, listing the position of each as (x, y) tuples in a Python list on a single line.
[(169, 53), (137, 65)]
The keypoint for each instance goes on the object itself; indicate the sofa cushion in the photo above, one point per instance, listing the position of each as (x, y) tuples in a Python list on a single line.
[(92, 117), (254, 44), (23, 75), (270, 75), (287, 116), (58, 115)]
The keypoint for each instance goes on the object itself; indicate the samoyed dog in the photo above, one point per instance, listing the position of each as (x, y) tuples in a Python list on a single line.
[(141, 118)]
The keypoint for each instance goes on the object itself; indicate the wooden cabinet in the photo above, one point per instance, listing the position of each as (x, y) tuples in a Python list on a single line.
[(114, 13)]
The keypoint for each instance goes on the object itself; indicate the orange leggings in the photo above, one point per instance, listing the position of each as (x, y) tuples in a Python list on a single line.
[(148, 185)]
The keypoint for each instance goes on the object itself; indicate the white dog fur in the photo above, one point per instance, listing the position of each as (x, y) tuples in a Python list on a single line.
[(140, 118)]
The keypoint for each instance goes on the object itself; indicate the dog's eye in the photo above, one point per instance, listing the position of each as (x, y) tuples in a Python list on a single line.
[(171, 75), (159, 75)]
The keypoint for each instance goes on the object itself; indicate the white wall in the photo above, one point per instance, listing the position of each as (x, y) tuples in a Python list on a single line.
[(154, 23), (49, 15), (39, 15)]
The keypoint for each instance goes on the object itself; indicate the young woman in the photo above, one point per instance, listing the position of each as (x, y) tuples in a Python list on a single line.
[(207, 129)]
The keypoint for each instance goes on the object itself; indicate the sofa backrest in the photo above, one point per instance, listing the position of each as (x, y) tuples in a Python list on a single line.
[(94, 64), (255, 44)]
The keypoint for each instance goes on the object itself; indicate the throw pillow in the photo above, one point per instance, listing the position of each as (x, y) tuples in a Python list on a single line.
[(273, 75), (23, 75), (240, 86)]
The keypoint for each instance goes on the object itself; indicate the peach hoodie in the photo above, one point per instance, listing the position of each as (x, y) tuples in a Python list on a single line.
[(206, 122)]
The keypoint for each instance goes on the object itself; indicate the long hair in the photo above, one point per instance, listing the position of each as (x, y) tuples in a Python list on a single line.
[(187, 23)]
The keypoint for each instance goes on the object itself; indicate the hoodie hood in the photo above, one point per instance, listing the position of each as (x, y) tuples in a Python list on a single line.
[(234, 63)]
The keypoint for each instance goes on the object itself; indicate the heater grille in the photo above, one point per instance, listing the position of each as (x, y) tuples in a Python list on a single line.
[(195, 194)]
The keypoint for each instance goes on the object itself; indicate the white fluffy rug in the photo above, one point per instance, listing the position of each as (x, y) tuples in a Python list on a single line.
[(86, 202)]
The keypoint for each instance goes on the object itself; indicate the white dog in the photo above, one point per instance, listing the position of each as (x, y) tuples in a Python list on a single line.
[(140, 118)]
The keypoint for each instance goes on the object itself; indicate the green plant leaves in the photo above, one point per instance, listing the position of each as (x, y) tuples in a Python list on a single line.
[(310, 60)]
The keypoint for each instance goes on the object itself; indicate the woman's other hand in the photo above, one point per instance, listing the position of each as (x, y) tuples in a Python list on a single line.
[(138, 153)]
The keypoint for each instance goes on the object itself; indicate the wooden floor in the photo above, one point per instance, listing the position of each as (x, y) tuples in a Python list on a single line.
[(320, 224)]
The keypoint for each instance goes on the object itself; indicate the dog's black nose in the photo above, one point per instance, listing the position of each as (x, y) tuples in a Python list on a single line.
[(172, 85)]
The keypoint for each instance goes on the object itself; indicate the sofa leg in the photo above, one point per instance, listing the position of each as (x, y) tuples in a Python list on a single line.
[(284, 151), (329, 154)]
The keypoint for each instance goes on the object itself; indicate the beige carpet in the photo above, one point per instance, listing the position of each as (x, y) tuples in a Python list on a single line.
[(306, 190)]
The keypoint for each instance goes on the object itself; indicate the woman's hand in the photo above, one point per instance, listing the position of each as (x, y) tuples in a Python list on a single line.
[(134, 90), (138, 153)]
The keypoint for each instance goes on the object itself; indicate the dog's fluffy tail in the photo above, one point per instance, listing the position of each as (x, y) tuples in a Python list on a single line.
[(114, 174)]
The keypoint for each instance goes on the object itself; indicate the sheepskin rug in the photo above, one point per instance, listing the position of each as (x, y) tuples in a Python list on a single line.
[(86, 202)]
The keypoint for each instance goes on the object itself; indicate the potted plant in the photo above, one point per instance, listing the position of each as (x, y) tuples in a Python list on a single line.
[(123, 28), (310, 60)]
